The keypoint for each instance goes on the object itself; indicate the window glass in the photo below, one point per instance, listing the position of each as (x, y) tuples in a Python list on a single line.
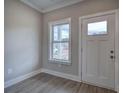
[(55, 33), (61, 32), (65, 32), (60, 51), (56, 51)]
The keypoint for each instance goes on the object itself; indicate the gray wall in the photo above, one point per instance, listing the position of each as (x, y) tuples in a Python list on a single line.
[(23, 39), (74, 11)]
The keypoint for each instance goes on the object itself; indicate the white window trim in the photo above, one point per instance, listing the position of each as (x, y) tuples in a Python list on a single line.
[(50, 24)]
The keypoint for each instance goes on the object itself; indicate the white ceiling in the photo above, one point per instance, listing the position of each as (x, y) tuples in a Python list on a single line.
[(49, 5)]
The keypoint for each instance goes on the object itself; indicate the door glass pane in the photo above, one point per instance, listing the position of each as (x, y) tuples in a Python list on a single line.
[(97, 28), (60, 51)]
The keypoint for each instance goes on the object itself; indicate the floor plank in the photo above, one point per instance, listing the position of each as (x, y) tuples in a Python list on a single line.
[(45, 83)]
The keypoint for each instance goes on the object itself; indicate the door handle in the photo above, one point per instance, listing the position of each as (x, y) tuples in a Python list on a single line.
[(112, 57), (112, 51)]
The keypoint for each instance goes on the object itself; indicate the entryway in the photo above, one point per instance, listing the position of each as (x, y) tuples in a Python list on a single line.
[(98, 49)]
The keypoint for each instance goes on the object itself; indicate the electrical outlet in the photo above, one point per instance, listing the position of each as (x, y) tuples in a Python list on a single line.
[(10, 71)]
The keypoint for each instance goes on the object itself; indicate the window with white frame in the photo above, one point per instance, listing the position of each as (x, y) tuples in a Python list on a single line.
[(60, 40)]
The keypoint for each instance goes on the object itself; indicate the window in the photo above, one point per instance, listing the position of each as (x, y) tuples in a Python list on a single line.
[(60, 41), (97, 28)]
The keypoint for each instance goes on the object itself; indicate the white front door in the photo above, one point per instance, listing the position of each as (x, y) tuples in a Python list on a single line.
[(98, 60)]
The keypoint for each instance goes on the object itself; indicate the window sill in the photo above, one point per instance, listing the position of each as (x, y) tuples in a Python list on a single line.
[(60, 62)]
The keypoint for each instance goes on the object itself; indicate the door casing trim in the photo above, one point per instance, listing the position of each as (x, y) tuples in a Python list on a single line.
[(116, 45)]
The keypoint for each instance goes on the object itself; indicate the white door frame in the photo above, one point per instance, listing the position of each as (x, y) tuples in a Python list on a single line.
[(116, 44)]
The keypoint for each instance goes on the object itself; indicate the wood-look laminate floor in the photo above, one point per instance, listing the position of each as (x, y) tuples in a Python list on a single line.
[(45, 83)]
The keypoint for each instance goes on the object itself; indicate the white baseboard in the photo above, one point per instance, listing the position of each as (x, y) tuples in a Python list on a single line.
[(63, 75), (21, 78), (55, 73)]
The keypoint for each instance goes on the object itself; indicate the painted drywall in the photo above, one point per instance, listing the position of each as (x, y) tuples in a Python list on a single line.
[(23, 39), (74, 11)]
